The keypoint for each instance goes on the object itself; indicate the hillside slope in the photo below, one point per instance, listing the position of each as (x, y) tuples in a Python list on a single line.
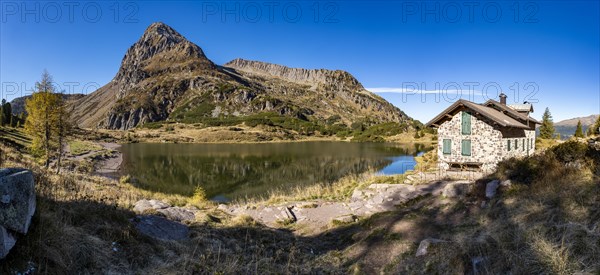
[(567, 127)]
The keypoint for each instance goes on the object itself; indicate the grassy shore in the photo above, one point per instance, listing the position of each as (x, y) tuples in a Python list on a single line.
[(546, 222), (192, 133)]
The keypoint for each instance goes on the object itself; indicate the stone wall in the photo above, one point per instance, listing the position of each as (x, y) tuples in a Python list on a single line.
[(488, 143)]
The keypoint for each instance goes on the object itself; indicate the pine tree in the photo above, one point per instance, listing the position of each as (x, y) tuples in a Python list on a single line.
[(579, 130), (6, 113), (596, 127), (1, 115), (547, 128)]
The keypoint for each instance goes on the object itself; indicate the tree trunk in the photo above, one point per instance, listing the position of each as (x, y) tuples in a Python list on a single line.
[(47, 138), (60, 152)]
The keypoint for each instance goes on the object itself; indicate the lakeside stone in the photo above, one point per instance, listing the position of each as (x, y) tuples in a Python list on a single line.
[(18, 199), (491, 188), (7, 242), (456, 189), (161, 228), (344, 219), (142, 206), (178, 214), (425, 244)]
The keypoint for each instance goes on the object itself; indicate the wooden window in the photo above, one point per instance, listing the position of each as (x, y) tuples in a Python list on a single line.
[(523, 144), (532, 143), (508, 144), (466, 147), (528, 145), (516, 144), (447, 147), (466, 123)]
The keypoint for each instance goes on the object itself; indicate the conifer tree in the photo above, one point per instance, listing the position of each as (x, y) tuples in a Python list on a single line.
[(547, 128), (47, 121), (579, 130), (596, 127)]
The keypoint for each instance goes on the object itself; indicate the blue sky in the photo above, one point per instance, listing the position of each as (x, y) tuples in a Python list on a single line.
[(421, 56)]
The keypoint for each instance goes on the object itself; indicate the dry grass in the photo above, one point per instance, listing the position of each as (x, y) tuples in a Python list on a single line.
[(409, 137), (546, 224), (190, 133), (543, 144), (427, 161), (79, 147), (82, 225), (339, 190)]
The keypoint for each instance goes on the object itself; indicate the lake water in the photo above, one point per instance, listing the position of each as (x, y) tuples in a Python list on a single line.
[(230, 171)]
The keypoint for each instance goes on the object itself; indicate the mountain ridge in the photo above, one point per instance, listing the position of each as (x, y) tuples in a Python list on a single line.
[(163, 76)]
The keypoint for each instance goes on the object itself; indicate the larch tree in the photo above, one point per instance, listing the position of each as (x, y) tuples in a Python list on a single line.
[(579, 130), (547, 128), (45, 120), (63, 129)]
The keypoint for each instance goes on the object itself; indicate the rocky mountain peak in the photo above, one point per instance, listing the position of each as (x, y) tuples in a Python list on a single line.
[(160, 49), (161, 29), (163, 76)]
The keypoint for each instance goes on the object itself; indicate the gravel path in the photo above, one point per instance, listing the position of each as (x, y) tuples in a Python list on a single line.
[(110, 167)]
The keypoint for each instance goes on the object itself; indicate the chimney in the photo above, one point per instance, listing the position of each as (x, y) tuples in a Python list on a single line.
[(502, 99)]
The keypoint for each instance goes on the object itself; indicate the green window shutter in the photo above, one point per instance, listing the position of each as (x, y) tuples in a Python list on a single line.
[(466, 123), (447, 148), (528, 145), (508, 144), (532, 143), (516, 144), (523, 145), (466, 147)]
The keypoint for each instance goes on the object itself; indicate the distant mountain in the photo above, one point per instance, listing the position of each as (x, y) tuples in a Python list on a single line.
[(163, 76), (18, 104), (567, 127)]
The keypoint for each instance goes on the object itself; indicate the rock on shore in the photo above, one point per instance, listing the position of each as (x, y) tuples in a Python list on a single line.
[(17, 206)]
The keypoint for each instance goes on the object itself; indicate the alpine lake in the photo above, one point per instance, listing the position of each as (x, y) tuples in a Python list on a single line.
[(234, 171)]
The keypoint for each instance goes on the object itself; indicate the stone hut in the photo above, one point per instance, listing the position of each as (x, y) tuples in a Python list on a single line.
[(478, 136)]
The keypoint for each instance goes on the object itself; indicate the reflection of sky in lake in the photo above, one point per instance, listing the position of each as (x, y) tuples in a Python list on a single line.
[(399, 165)]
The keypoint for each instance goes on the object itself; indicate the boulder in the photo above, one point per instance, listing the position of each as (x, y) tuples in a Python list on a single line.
[(223, 207), (424, 246), (17, 205), (161, 228), (456, 189), (17, 199), (506, 183), (490, 188), (357, 195), (344, 219), (179, 214), (142, 206), (7, 241)]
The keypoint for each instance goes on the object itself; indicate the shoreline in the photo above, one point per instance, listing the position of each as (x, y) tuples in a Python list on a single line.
[(110, 167), (246, 135)]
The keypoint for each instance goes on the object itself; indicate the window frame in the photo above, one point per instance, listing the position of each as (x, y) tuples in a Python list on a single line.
[(462, 146), (463, 128), (444, 146)]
